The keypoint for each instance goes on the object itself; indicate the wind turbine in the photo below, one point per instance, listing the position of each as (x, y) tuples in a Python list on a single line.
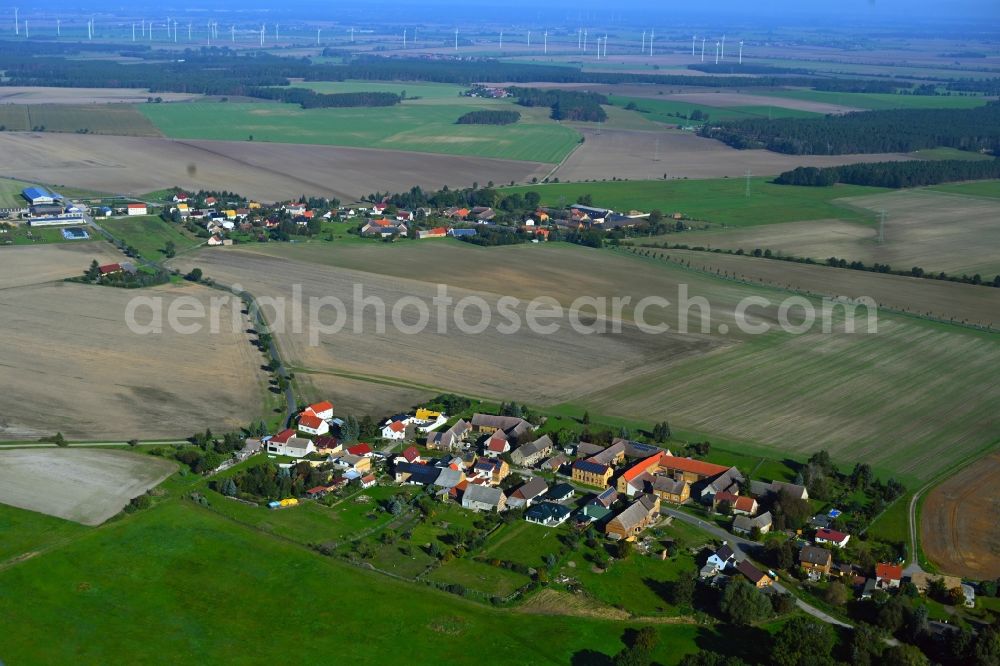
[(579, 39), (741, 51), (456, 39), (59, 28), (501, 41), (546, 42), (717, 53), (723, 47), (404, 39), (133, 32), (352, 35), (189, 31), (605, 47), (175, 32), (703, 49), (529, 39), (692, 45), (275, 33), (652, 34), (317, 36), (262, 26), (25, 28), (643, 49), (585, 40), (17, 23)]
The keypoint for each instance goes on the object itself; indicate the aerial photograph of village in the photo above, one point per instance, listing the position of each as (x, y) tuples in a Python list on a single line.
[(532, 333)]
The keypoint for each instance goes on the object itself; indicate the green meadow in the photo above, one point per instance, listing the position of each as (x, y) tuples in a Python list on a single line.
[(666, 110), (719, 200), (149, 235), (977, 188), (180, 584), (423, 125)]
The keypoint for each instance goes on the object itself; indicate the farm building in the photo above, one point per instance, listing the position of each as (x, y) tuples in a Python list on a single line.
[(532, 453), (484, 498), (746, 524), (136, 209), (528, 493), (39, 195), (634, 519)]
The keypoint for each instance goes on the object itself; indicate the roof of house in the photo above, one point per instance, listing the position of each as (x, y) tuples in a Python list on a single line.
[(326, 442), (636, 512), (560, 490), (591, 467), (815, 555), (419, 473), (699, 467), (284, 436), (298, 443), (753, 574), (367, 478), (494, 421), (641, 467), (532, 489), (725, 553), (608, 455), (449, 477), (109, 268), (667, 485), (410, 453), (487, 465), (746, 523), (586, 449), (359, 449), (310, 421), (538, 446), (498, 442), (607, 497), (888, 571), (397, 426), (136, 205), (547, 512), (556, 461), (830, 535), (483, 494), (318, 407)]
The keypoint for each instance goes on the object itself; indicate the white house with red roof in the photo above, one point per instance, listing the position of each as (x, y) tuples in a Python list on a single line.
[(394, 429), (409, 455), (136, 209), (362, 450), (286, 443), (312, 424), (497, 445), (180, 197), (323, 410), (826, 535)]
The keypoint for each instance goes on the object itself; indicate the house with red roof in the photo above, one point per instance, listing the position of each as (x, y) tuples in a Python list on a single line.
[(833, 537), (394, 429), (409, 455), (180, 197), (109, 269), (738, 504), (323, 410), (368, 481), (136, 209), (888, 575), (312, 424), (436, 232), (362, 450), (496, 445)]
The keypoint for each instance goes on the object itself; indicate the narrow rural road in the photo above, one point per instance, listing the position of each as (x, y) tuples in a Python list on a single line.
[(83, 445), (746, 547), (914, 564)]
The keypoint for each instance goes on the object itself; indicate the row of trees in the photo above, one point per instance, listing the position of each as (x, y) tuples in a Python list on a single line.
[(486, 117), (565, 104), (895, 130), (310, 99), (913, 173)]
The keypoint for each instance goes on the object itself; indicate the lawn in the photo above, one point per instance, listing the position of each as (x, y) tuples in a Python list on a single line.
[(893, 525), (25, 235), (178, 584), (666, 110), (117, 119), (414, 90), (425, 125), (525, 543), (10, 193), (479, 576), (718, 200), (24, 533), (880, 101), (978, 188), (149, 234)]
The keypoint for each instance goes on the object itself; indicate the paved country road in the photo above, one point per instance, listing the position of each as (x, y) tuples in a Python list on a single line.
[(746, 547)]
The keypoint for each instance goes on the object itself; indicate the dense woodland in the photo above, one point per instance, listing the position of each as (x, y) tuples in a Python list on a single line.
[(565, 104), (893, 174), (489, 118), (309, 99), (896, 130)]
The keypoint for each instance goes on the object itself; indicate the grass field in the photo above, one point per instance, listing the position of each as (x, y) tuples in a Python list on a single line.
[(663, 111), (26, 533), (10, 193), (479, 576), (117, 119), (414, 90), (721, 200), (178, 584), (979, 188), (881, 101), (951, 154), (149, 234), (425, 125)]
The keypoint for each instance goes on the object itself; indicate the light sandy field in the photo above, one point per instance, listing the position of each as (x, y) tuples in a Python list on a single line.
[(81, 371), (46, 95), (897, 398), (940, 300), (266, 171), (83, 485), (638, 155), (24, 265), (957, 522), (537, 368), (934, 230)]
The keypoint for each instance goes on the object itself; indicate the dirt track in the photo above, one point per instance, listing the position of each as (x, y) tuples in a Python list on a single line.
[(637, 155), (83, 485), (266, 171), (958, 522), (46, 95)]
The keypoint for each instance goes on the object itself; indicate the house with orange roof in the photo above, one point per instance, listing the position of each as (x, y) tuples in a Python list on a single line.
[(888, 575), (436, 232), (323, 410), (312, 424), (394, 429)]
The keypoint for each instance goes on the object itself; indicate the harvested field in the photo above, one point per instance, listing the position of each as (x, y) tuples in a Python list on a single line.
[(933, 230), (46, 95), (20, 266), (731, 99), (83, 485), (638, 155), (894, 398), (561, 365), (361, 395), (940, 300), (269, 172), (958, 525), (81, 371), (115, 119)]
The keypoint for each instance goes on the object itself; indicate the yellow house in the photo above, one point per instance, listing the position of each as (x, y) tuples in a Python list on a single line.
[(253, 205), (183, 207), (426, 415), (230, 214), (592, 473)]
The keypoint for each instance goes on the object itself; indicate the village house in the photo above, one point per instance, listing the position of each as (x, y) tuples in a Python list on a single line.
[(436, 232), (363, 450), (528, 493), (888, 576), (286, 443), (510, 425), (353, 463), (394, 429), (746, 524), (555, 463), (530, 454), (451, 439), (815, 560), (547, 514), (833, 537), (561, 492), (312, 424), (492, 470), (762, 489), (757, 578), (136, 209), (591, 473), (633, 520), (738, 504), (409, 455), (484, 498), (327, 445), (368, 481), (417, 474), (718, 561), (496, 445)]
